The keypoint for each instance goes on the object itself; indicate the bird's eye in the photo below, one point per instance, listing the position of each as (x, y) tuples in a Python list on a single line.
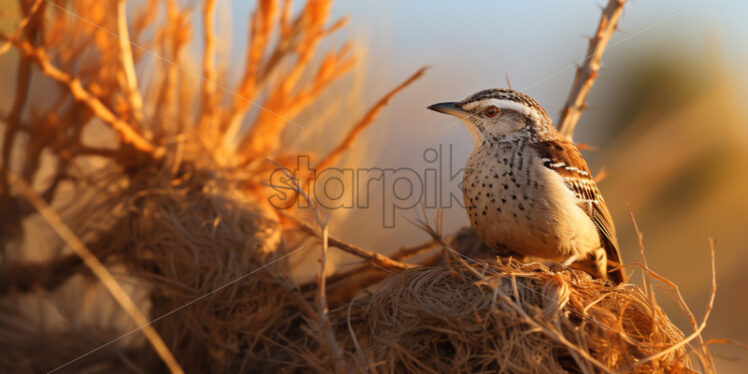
[(491, 111)]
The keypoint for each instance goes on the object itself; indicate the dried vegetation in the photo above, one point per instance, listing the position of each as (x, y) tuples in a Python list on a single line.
[(174, 204)]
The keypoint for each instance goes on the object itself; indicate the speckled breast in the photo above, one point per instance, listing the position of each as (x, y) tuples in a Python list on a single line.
[(510, 204)]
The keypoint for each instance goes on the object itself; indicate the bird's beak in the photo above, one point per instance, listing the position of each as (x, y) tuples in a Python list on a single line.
[(453, 109)]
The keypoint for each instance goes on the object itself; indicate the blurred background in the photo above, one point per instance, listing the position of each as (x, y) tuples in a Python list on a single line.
[(667, 116)]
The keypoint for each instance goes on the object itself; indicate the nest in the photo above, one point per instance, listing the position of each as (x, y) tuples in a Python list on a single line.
[(510, 317), (193, 240)]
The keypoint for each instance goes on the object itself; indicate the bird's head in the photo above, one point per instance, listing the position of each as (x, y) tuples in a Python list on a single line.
[(500, 114)]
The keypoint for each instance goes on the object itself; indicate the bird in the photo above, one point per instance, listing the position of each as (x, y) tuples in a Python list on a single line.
[(527, 189)]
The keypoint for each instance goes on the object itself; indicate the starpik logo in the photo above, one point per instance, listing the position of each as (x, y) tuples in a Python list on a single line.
[(437, 185)]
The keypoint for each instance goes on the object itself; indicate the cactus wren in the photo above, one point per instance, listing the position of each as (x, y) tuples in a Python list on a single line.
[(528, 190)]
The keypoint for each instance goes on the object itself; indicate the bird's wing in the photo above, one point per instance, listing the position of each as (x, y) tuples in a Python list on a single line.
[(565, 159)]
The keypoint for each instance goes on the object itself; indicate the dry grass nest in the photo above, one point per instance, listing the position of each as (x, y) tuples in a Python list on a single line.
[(504, 316)]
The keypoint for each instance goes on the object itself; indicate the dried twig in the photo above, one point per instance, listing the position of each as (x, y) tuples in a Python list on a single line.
[(322, 307), (727, 341), (23, 84), (322, 316), (111, 284), (368, 118), (23, 81), (173, 38), (207, 94), (704, 356), (22, 24), (286, 100), (696, 334), (287, 96), (261, 28), (436, 234), (124, 130), (376, 258), (640, 238), (587, 72), (408, 252), (128, 66), (343, 285), (401, 254)]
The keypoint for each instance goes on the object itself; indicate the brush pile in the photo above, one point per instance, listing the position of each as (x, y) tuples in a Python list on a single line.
[(159, 197)]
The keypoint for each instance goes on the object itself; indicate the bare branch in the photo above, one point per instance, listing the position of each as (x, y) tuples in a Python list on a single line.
[(126, 133), (22, 25), (368, 118), (286, 97), (283, 103), (173, 38), (128, 66), (373, 257), (23, 83), (587, 72), (207, 93)]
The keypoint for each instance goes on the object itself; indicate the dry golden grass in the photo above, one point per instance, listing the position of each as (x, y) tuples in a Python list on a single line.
[(177, 200)]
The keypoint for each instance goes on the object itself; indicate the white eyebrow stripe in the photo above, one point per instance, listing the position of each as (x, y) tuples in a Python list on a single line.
[(502, 104)]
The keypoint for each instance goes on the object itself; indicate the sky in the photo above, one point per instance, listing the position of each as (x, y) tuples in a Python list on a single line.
[(480, 42)]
